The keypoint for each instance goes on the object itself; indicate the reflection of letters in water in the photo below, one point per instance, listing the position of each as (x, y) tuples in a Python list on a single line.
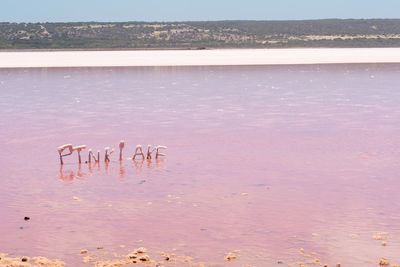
[(68, 149), (70, 175)]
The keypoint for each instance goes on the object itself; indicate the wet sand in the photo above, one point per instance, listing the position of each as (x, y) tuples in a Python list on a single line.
[(25, 261), (221, 57)]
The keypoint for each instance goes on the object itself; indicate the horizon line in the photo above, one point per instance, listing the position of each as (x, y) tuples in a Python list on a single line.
[(182, 21)]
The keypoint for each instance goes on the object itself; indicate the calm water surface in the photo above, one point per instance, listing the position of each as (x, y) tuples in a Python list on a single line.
[(265, 160)]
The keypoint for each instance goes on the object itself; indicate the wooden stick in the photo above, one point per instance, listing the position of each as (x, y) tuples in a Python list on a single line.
[(90, 156), (106, 154), (138, 152), (121, 147), (150, 151), (79, 149), (61, 160), (160, 154), (61, 149)]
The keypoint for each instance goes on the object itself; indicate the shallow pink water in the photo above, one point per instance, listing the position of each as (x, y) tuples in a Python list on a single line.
[(316, 149)]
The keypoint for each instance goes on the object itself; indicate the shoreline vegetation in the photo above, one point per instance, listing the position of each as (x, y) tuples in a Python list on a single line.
[(200, 35)]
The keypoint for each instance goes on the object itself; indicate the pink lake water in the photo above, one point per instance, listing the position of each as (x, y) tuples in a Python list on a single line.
[(267, 160)]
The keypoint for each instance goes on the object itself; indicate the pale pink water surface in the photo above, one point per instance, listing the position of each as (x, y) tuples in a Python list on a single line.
[(265, 160)]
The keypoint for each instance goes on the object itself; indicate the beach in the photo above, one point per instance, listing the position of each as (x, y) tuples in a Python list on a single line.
[(217, 57)]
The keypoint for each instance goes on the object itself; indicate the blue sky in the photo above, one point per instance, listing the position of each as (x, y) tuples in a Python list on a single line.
[(181, 10)]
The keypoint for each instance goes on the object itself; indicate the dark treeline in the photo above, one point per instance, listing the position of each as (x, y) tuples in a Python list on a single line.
[(195, 35)]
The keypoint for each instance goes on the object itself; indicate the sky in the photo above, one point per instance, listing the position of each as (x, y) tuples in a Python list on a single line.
[(192, 10)]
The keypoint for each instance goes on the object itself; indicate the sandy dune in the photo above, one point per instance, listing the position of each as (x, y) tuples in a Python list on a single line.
[(198, 57)]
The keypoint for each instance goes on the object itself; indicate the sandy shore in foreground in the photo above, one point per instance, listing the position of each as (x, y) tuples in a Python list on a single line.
[(198, 57)]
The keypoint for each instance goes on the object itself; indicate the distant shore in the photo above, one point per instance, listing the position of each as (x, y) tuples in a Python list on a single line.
[(215, 57)]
